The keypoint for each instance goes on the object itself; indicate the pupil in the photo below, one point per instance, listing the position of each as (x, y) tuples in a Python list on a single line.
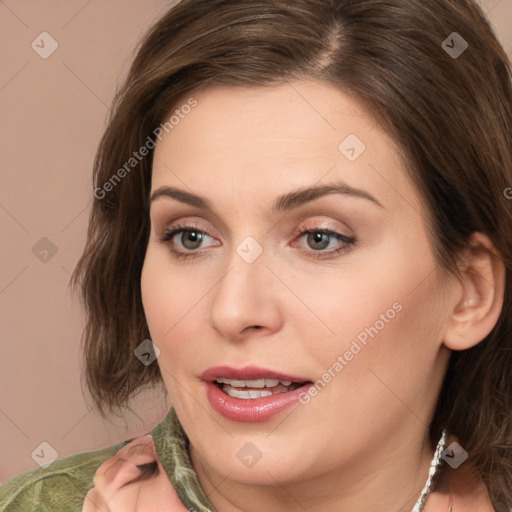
[(194, 237), (316, 238)]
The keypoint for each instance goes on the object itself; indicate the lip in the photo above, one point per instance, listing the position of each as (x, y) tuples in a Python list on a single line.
[(247, 373), (251, 409)]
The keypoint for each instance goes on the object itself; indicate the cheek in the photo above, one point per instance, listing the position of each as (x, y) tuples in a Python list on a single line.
[(167, 297), (386, 316), (361, 305), (174, 312)]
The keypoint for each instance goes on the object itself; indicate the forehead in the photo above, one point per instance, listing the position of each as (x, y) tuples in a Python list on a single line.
[(299, 133), (305, 112)]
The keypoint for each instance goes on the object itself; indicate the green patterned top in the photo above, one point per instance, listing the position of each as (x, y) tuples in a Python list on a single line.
[(62, 486)]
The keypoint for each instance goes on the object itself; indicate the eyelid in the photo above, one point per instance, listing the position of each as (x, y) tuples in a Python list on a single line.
[(347, 242), (321, 225), (183, 224), (173, 229), (302, 226)]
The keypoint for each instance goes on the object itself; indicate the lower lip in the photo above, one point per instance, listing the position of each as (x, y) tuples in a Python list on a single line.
[(251, 409)]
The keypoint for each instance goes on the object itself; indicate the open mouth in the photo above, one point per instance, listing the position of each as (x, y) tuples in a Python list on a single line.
[(258, 388)]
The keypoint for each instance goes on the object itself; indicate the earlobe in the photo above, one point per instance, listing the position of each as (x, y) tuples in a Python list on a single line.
[(480, 298)]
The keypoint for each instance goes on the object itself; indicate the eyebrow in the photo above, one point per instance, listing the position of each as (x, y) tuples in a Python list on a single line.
[(283, 203)]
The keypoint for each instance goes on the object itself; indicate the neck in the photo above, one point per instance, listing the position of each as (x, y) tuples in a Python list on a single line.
[(389, 479)]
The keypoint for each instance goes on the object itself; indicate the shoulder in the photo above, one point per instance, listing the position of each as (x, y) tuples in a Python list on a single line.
[(61, 486), (469, 491), (459, 489)]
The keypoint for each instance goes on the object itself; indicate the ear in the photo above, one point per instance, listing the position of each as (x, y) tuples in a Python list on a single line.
[(479, 300)]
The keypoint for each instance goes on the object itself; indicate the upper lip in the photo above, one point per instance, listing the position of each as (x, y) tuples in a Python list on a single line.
[(247, 373)]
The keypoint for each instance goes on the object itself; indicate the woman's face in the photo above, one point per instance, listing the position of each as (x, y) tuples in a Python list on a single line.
[(356, 305)]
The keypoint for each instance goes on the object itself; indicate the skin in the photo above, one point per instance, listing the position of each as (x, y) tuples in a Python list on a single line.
[(460, 489), (359, 444)]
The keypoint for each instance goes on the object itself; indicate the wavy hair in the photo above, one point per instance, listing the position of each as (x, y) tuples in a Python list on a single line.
[(451, 116)]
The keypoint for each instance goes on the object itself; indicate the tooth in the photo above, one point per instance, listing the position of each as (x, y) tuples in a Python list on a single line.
[(237, 393), (253, 393), (260, 383), (255, 383), (258, 394), (237, 383)]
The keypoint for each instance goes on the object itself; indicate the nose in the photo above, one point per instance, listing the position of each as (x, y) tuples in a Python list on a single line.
[(246, 301)]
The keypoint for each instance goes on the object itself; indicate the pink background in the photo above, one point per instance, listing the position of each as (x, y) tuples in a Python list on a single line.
[(53, 113)]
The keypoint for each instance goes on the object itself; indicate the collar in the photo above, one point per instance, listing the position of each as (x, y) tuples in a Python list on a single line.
[(171, 445)]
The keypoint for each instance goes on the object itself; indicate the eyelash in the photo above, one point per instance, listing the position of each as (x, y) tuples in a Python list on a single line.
[(174, 230)]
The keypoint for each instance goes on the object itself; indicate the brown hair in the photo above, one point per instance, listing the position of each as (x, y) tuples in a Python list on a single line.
[(451, 116)]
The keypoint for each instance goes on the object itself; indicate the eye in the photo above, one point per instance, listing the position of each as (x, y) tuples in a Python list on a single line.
[(319, 239), (189, 237)]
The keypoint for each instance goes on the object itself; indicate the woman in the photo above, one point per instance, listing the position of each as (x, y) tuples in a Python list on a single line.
[(301, 228)]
